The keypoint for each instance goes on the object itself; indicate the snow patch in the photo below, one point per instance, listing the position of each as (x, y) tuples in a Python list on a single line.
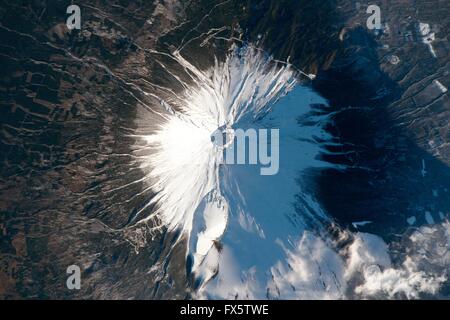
[(427, 37)]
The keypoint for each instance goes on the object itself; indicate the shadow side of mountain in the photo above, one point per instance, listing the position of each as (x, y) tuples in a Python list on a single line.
[(385, 181)]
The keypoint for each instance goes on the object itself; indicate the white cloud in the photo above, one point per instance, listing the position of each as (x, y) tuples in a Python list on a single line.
[(406, 280), (424, 269), (314, 270), (366, 250)]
